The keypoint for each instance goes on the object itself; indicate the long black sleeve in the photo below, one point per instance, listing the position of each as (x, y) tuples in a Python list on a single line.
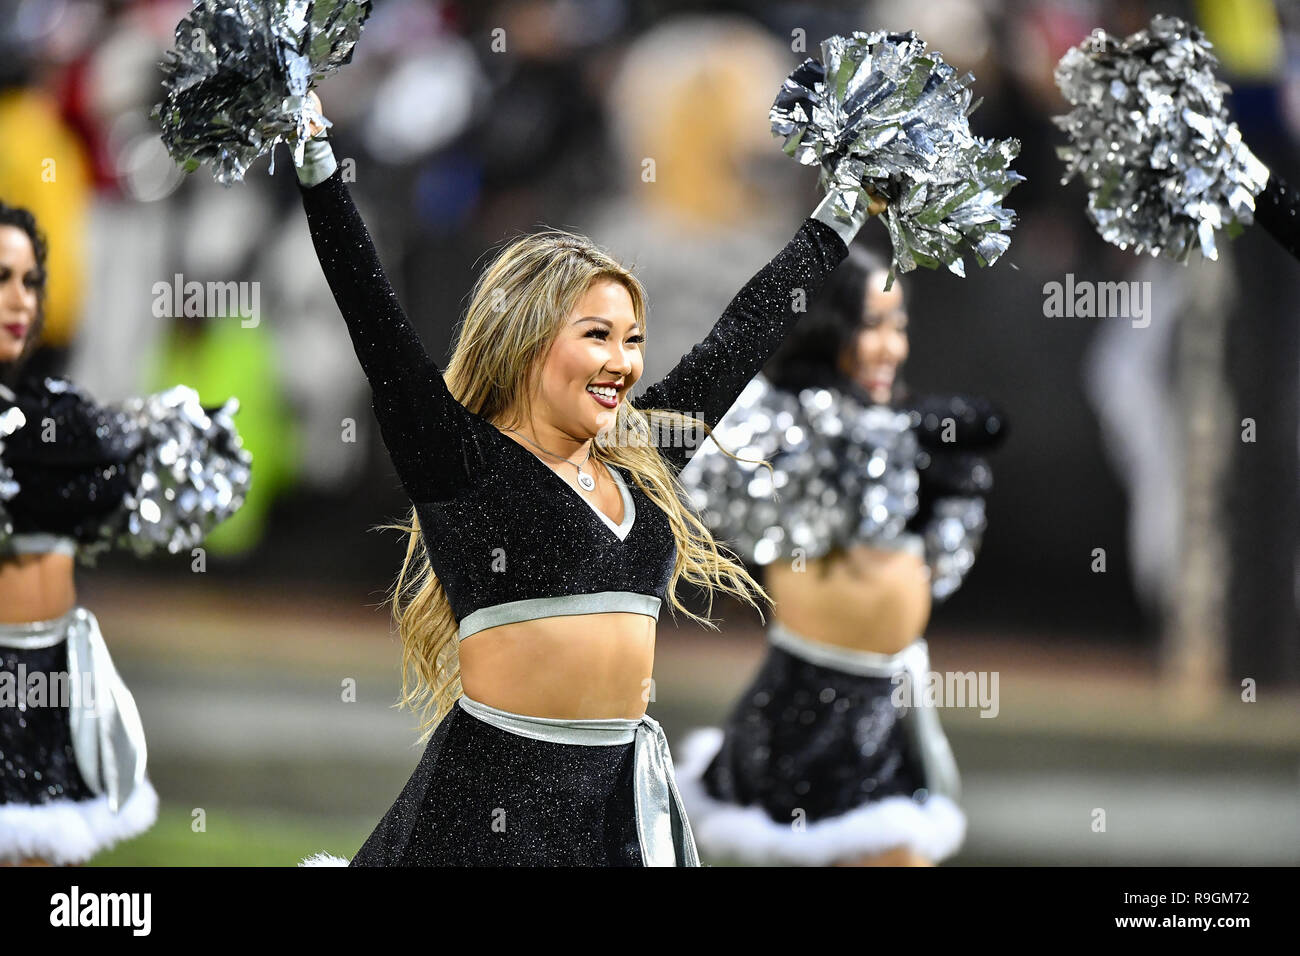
[(423, 426), (709, 378)]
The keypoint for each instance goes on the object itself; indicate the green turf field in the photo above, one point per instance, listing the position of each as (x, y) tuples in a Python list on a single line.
[(235, 838)]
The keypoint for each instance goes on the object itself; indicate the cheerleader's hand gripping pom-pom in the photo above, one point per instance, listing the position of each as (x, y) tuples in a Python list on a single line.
[(238, 78), (317, 163), (884, 120), (1151, 139)]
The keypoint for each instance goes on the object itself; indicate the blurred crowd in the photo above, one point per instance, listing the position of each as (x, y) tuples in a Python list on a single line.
[(643, 123)]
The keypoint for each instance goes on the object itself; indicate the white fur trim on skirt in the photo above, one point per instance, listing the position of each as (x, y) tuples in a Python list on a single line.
[(72, 831), (323, 859), (934, 829)]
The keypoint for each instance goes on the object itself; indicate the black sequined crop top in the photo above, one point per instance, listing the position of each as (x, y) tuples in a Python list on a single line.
[(509, 539)]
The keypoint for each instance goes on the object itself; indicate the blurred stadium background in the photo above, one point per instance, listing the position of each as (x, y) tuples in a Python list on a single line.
[(1121, 690)]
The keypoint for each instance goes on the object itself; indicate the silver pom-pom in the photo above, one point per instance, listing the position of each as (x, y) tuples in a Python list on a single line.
[(238, 77), (191, 473), (1151, 139), (11, 419), (842, 472), (952, 540), (878, 115)]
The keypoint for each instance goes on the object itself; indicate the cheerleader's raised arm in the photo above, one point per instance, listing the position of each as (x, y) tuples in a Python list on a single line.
[(152, 473), (412, 403), (425, 429), (709, 378)]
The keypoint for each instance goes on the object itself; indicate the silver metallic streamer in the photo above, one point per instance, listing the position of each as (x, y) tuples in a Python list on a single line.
[(11, 419), (877, 114), (238, 77), (191, 474), (842, 473), (1151, 139)]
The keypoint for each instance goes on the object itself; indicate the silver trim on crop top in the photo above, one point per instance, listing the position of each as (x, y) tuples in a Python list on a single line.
[(600, 602), (629, 508)]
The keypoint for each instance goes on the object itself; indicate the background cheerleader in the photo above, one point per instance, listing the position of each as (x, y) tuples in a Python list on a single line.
[(77, 478), (824, 758)]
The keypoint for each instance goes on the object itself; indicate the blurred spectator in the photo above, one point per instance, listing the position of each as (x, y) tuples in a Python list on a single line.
[(707, 196), (43, 167)]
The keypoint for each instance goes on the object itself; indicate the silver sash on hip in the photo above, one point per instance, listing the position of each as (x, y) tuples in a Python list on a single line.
[(107, 736), (662, 827), (920, 722)]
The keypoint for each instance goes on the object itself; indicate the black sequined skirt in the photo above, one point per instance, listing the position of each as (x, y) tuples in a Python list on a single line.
[(492, 790), (47, 809), (817, 765)]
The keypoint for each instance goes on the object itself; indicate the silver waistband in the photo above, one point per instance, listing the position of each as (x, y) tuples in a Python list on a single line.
[(600, 602), (921, 722), (30, 635), (39, 542), (847, 659), (662, 827), (107, 736)]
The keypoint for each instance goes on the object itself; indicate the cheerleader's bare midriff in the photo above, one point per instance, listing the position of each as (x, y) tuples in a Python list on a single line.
[(36, 587), (576, 666), (867, 599)]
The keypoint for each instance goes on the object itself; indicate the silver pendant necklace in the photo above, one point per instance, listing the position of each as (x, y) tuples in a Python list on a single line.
[(587, 482)]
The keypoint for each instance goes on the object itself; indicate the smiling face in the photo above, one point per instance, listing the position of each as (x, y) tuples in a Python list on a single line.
[(600, 344), (881, 346), (20, 283)]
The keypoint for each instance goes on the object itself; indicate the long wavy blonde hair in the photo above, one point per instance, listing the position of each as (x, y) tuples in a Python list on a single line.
[(518, 306)]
